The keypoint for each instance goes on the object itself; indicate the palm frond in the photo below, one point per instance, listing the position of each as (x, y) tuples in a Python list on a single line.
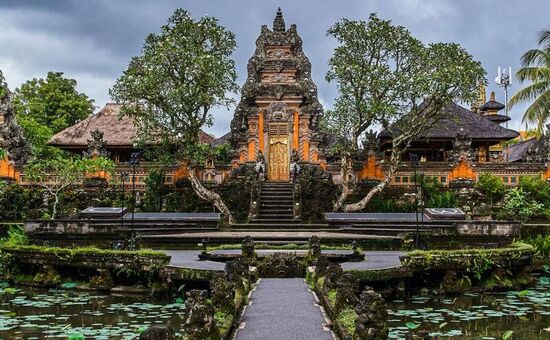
[(538, 112), (530, 92), (544, 38), (535, 57), (533, 73)]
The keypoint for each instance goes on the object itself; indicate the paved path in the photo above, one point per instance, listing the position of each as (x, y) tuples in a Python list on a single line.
[(376, 260), (269, 235), (283, 309), (190, 259)]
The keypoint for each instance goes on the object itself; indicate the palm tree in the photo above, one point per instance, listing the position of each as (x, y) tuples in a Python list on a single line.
[(536, 73)]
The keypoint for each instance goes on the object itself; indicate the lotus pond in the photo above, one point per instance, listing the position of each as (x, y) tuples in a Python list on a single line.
[(511, 315), (38, 314)]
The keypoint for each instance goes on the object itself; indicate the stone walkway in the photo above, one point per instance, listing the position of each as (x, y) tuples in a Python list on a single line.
[(374, 260), (282, 309)]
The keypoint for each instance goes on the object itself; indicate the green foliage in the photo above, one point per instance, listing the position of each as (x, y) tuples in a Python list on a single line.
[(47, 106), (536, 188), (69, 252), (346, 318), (541, 243), (182, 73), (15, 236), (386, 77), (57, 174), (491, 186), (518, 205), (154, 191), (535, 73), (445, 199), (20, 202)]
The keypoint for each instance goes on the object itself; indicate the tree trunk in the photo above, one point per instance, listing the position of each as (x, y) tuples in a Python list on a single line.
[(209, 195), (378, 188), (345, 184), (55, 203)]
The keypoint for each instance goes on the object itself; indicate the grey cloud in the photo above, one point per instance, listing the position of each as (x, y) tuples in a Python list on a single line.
[(92, 41)]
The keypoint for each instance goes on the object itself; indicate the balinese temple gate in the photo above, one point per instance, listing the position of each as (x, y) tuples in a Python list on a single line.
[(279, 110)]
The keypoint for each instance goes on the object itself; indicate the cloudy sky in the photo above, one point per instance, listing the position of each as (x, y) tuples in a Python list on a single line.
[(92, 41)]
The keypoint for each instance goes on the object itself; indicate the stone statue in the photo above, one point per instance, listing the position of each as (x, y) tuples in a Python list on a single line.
[(96, 145), (222, 293), (371, 316), (294, 164), (260, 166), (199, 323), (333, 272), (248, 247), (314, 247), (346, 289)]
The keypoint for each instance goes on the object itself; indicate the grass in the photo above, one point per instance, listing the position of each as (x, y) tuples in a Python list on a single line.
[(289, 246), (82, 250), (517, 246)]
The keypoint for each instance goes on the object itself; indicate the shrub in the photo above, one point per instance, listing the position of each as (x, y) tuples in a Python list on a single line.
[(519, 206), (491, 186)]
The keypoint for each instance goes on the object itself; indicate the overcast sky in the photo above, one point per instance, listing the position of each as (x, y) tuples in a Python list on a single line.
[(92, 41)]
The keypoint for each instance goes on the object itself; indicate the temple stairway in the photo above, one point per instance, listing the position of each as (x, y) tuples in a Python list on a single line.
[(276, 212)]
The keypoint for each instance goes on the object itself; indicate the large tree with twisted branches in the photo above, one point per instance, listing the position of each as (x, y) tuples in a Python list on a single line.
[(171, 87), (388, 79)]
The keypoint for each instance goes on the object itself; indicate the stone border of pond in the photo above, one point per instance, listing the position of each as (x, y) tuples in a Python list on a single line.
[(355, 308)]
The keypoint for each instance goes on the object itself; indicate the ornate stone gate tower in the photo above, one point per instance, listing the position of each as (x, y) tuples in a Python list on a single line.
[(279, 110)]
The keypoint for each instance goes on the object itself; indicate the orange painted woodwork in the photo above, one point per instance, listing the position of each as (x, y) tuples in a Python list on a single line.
[(181, 172), (8, 170), (251, 153), (546, 173), (261, 131), (295, 132), (305, 156), (371, 170), (462, 171), (315, 156)]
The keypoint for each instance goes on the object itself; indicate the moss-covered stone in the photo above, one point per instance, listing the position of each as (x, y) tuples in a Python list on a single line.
[(103, 281)]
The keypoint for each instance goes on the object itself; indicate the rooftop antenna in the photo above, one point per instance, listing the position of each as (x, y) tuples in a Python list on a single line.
[(504, 80)]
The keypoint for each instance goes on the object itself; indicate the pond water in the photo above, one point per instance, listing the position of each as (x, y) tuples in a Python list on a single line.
[(518, 314), (39, 314)]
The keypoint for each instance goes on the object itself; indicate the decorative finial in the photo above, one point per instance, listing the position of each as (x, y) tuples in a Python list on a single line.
[(492, 96), (279, 22)]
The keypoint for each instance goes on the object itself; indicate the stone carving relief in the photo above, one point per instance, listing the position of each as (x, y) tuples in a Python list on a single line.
[(278, 112)]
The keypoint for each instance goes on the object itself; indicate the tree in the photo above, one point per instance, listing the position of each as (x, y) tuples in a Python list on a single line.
[(386, 78), (46, 106), (170, 89), (491, 186), (535, 72), (57, 174)]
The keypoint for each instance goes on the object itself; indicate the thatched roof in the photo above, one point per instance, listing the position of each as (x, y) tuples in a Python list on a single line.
[(457, 117), (117, 131), (517, 152)]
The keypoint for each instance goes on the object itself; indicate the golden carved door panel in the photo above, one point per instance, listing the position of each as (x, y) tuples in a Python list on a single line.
[(278, 161)]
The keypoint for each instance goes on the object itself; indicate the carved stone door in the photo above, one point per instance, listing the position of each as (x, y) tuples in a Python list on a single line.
[(278, 161)]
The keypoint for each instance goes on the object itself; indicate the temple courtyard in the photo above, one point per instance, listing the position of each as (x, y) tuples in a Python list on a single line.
[(344, 178)]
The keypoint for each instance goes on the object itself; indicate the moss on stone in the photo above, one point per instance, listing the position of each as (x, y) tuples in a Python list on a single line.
[(346, 319)]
